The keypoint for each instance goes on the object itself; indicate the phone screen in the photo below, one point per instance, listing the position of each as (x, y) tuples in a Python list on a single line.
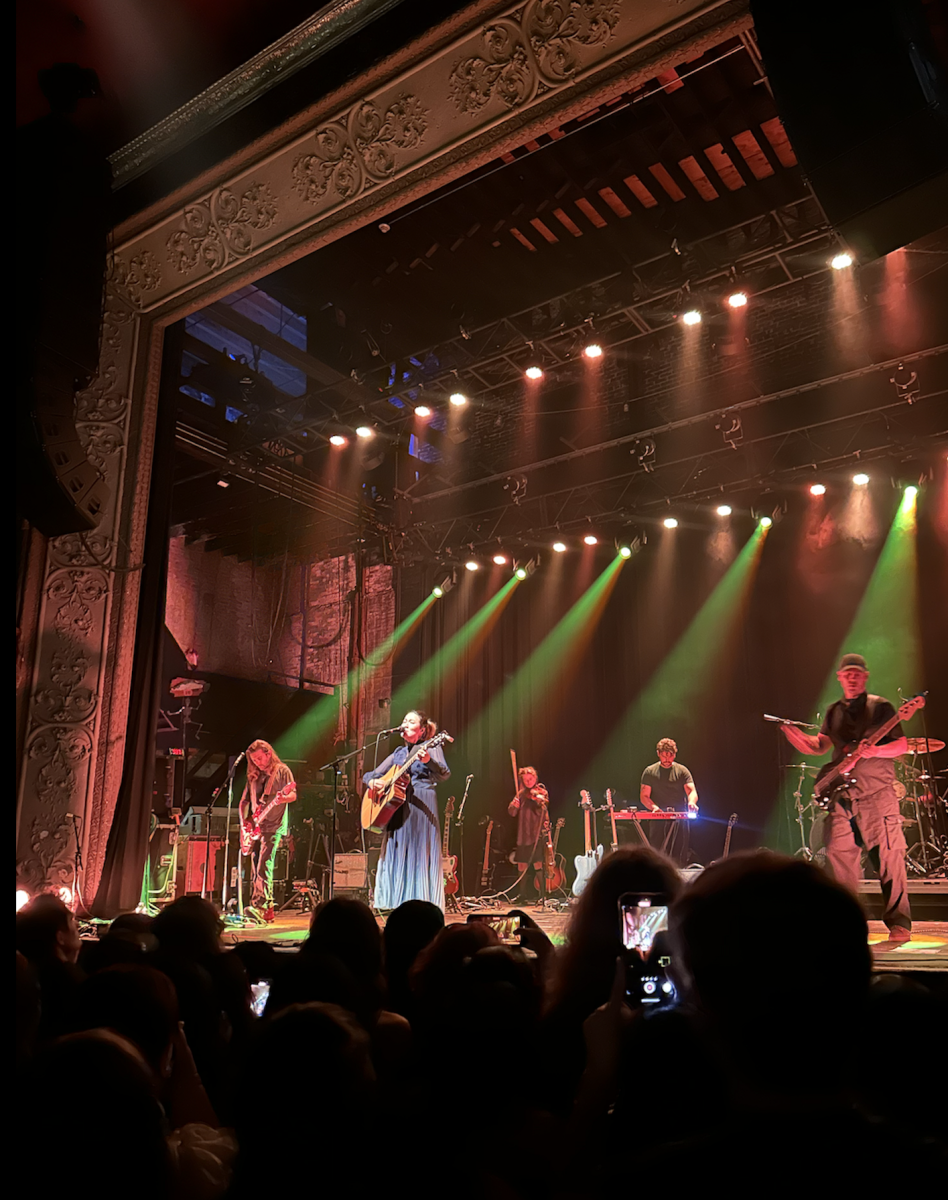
[(643, 927), (507, 928), (261, 993)]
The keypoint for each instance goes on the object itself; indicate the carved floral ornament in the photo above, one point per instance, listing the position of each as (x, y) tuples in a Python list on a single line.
[(80, 549), (65, 698), (137, 277), (59, 752), (360, 149), (220, 228), (73, 594), (538, 46)]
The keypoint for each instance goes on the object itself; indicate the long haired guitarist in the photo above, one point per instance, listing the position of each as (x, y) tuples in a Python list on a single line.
[(264, 818), (863, 804), (410, 862), (531, 807)]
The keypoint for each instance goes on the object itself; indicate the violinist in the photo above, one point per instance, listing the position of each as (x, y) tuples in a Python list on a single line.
[(531, 807)]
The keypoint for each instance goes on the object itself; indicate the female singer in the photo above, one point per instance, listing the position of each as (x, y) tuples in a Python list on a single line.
[(410, 862), (531, 807)]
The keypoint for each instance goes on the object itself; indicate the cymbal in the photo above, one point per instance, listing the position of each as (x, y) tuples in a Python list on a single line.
[(924, 745), (804, 767)]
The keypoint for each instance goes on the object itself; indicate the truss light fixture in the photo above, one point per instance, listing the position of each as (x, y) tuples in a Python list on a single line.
[(458, 399), (839, 262), (591, 540), (911, 492), (593, 350), (534, 372), (472, 565), (443, 587), (691, 317), (223, 481), (559, 547), (861, 479), (766, 522), (670, 522), (625, 551), (337, 440), (723, 510), (500, 559), (817, 489), (365, 431), (422, 410), (737, 299)]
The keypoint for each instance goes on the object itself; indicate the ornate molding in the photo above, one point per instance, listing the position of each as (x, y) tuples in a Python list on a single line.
[(220, 228), (137, 277), (360, 149), (505, 71)]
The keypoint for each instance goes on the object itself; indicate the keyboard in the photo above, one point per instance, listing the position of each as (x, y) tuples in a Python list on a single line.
[(634, 814)]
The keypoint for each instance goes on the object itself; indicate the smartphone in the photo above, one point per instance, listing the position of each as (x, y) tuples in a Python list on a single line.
[(261, 993), (643, 929), (506, 928)]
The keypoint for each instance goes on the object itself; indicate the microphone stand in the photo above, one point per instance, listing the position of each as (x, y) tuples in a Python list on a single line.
[(225, 888), (336, 765), (459, 826)]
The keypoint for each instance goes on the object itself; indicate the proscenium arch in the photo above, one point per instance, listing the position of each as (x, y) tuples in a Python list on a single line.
[(483, 83)]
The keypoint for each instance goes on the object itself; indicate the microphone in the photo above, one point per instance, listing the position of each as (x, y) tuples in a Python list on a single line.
[(469, 778), (779, 720), (394, 729), (242, 755)]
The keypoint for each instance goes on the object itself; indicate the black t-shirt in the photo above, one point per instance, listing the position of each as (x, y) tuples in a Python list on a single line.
[(668, 785), (847, 722)]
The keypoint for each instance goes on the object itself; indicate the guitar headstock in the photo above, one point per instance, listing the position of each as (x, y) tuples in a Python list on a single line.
[(561, 821), (449, 807), (911, 706), (609, 803), (585, 799)]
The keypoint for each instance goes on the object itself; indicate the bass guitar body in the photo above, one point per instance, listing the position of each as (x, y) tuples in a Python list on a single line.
[(585, 864), (449, 866)]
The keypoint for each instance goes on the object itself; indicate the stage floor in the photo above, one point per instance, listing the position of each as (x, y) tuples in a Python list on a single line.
[(927, 951)]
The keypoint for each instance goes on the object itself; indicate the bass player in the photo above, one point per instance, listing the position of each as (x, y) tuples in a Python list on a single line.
[(410, 861), (866, 815), (267, 777)]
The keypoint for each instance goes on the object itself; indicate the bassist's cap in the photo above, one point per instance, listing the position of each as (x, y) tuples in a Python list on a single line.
[(853, 660)]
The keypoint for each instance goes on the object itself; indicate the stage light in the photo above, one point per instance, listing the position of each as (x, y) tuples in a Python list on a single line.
[(365, 431), (625, 551), (691, 317), (458, 399), (337, 440), (723, 510), (65, 894), (861, 479), (737, 299), (591, 540), (839, 262), (471, 565), (521, 572), (766, 522), (444, 586), (559, 547), (817, 489), (670, 522), (438, 592), (593, 350), (534, 372), (500, 559), (911, 492), (422, 410), (22, 899)]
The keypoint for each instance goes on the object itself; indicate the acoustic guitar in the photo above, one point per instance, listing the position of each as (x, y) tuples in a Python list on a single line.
[(554, 873), (385, 796), (835, 778), (449, 862), (250, 830), (586, 863)]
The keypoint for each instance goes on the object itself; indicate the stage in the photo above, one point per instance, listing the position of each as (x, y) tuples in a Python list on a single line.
[(927, 951)]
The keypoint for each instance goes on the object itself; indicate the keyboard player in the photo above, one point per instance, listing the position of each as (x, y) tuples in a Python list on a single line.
[(668, 785)]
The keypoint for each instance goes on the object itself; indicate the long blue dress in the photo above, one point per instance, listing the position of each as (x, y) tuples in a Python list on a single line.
[(410, 862)]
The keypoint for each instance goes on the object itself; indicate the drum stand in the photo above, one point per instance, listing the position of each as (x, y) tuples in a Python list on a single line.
[(803, 850)]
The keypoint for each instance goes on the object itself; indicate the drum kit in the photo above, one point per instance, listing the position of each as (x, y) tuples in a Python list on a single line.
[(923, 801)]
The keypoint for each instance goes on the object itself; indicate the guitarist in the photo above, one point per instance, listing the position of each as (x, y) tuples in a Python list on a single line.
[(410, 861), (267, 775), (865, 816), (531, 807)]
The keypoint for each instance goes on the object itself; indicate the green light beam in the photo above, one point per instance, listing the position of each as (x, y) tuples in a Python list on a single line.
[(555, 659), (679, 690), (309, 730), (420, 689)]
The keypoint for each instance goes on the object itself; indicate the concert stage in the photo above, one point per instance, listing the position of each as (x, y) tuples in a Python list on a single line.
[(927, 951)]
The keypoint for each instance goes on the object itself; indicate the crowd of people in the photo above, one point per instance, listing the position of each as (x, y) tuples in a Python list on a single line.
[(430, 1056)]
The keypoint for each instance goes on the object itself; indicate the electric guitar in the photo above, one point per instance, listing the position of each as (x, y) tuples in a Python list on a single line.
[(732, 821), (385, 796), (449, 862), (586, 863), (250, 831), (485, 870), (612, 819), (835, 778)]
